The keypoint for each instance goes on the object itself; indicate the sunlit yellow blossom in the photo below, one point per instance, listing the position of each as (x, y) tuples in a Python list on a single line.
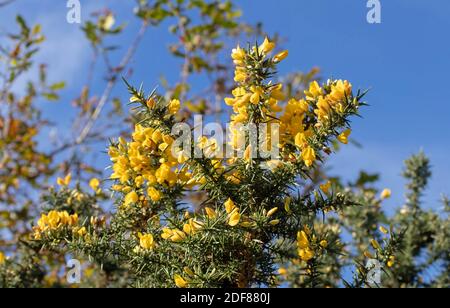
[(65, 181), (180, 282), (2, 258), (94, 184), (282, 271), (344, 136), (235, 217), (154, 194), (323, 109), (210, 212), (323, 244), (340, 90), (326, 187), (272, 211), (146, 241), (383, 230), (277, 92), (306, 254), (229, 206), (266, 47), (131, 197), (256, 96), (281, 56), (177, 236), (375, 244), (302, 240), (386, 194), (174, 106), (274, 222), (151, 103), (287, 205), (314, 90), (81, 231), (238, 55), (391, 261), (309, 156)]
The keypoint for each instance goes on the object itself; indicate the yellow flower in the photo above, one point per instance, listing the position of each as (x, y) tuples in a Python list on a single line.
[(2, 258), (210, 213), (240, 77), (282, 271), (256, 96), (266, 47), (81, 231), (302, 240), (238, 55), (287, 204), (344, 136), (323, 244), (314, 90), (151, 103), (229, 206), (386, 194), (146, 241), (272, 211), (131, 197), (383, 230), (65, 181), (177, 236), (180, 282), (154, 194), (281, 56), (340, 90), (174, 106), (277, 93), (326, 187), (306, 254), (235, 217), (167, 233), (94, 184), (309, 156), (375, 244), (391, 261), (274, 222), (187, 229)]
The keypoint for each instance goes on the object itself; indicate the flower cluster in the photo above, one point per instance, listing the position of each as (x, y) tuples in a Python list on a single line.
[(303, 123), (308, 244), (145, 165), (55, 220), (176, 235), (254, 100)]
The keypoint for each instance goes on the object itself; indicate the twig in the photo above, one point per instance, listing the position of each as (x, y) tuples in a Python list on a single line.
[(111, 83), (6, 2)]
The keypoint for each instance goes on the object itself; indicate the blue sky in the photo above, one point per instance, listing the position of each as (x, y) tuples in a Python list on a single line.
[(404, 61)]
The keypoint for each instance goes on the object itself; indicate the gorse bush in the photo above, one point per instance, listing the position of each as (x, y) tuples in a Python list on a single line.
[(249, 208)]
